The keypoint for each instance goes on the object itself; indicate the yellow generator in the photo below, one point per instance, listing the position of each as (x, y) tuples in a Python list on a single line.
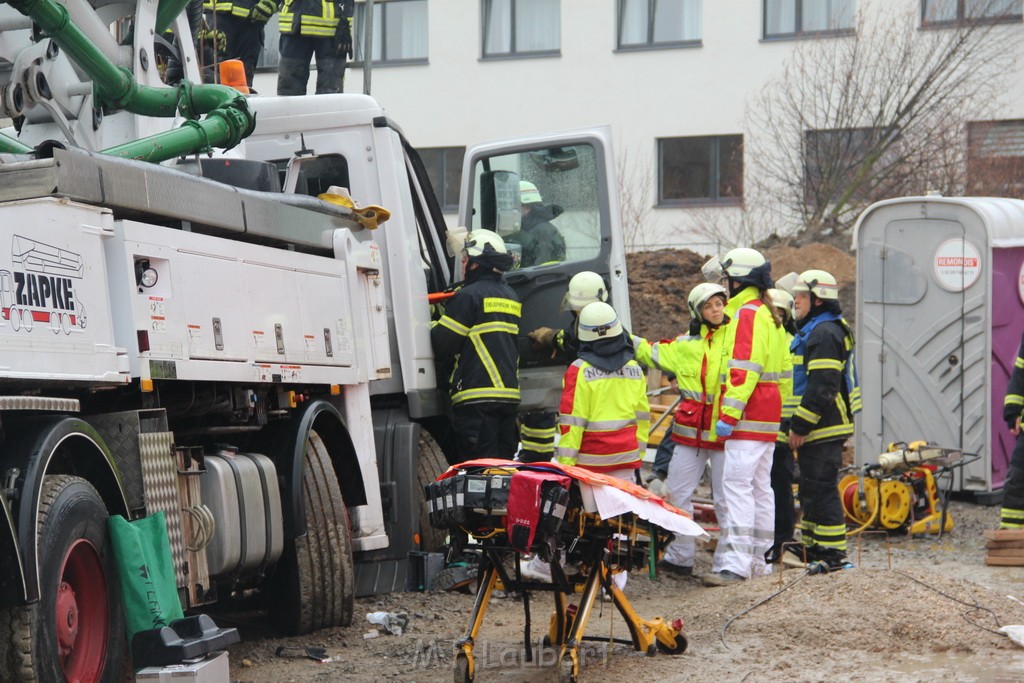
[(899, 492)]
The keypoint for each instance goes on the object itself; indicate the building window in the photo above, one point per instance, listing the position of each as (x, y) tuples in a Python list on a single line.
[(399, 32), (658, 23), (952, 12), (700, 170), (444, 168), (795, 18), (995, 158), (521, 27), (834, 160)]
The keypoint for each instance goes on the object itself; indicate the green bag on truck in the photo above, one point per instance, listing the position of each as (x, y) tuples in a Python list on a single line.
[(146, 570)]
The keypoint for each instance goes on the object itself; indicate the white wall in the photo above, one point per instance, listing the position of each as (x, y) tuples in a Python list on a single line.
[(458, 99)]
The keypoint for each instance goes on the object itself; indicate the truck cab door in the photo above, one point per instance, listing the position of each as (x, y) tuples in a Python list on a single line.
[(521, 189)]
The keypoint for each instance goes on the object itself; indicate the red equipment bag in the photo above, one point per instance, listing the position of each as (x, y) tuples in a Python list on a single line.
[(535, 500)]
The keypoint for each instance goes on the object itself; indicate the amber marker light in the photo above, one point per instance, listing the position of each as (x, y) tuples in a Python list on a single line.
[(232, 73)]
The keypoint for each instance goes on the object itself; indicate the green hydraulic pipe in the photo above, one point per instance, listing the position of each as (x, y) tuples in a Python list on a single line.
[(9, 145), (116, 88), (166, 12)]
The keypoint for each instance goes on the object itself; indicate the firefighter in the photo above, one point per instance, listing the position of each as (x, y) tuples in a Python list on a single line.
[(749, 414), (540, 240), (604, 416), (1012, 513), (478, 333), (824, 381), (695, 359), (237, 27), (783, 465), (537, 427), (320, 29)]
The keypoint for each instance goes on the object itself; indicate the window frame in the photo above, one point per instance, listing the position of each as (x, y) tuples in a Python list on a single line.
[(715, 173), (485, 13), (357, 47), (441, 191), (981, 166), (961, 17), (649, 44), (798, 22)]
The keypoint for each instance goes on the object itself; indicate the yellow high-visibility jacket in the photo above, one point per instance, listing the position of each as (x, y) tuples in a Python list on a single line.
[(604, 417), (789, 401), (318, 18), (750, 399)]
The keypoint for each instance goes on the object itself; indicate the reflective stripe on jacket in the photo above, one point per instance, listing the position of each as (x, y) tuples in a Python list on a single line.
[(318, 18), (824, 379), (750, 399), (696, 361), (604, 417), (479, 330), (1013, 404), (238, 8)]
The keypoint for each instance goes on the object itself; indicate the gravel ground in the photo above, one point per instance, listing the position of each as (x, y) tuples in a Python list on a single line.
[(928, 617)]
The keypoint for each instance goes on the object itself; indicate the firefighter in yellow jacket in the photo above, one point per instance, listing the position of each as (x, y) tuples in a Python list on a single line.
[(314, 28), (696, 360), (237, 27)]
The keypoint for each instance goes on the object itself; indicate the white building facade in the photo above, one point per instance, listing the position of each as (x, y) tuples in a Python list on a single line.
[(672, 77)]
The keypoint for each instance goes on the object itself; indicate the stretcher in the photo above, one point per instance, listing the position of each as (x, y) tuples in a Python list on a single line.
[(562, 514)]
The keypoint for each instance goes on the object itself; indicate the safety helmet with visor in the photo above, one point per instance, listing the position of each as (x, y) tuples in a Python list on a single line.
[(528, 193), (598, 321), (820, 283), (742, 264), (700, 295), (585, 287), (478, 241)]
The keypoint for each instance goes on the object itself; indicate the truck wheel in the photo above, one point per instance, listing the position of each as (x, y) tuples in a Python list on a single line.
[(319, 577), (430, 465), (76, 630)]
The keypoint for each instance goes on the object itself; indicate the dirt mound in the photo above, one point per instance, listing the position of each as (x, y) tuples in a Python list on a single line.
[(659, 282)]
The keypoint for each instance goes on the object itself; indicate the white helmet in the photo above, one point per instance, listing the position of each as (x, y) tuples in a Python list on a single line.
[(477, 242), (737, 263), (598, 321), (528, 193), (700, 295), (819, 283), (782, 299), (585, 287)]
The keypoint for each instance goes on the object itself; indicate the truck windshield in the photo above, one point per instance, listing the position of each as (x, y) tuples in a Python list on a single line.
[(545, 203)]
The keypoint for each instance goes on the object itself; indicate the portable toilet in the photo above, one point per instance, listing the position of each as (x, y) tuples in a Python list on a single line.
[(940, 313)]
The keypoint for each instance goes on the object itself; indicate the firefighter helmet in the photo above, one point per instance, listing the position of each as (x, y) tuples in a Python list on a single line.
[(585, 287), (700, 295), (477, 242), (528, 193), (737, 264), (819, 283), (598, 321), (783, 300)]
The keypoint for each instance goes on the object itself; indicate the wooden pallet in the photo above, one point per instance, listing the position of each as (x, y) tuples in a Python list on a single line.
[(1005, 547)]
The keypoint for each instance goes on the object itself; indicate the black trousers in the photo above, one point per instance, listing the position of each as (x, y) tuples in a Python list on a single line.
[(782, 485), (1013, 488), (293, 71), (537, 434), (819, 494), (244, 40), (486, 430)]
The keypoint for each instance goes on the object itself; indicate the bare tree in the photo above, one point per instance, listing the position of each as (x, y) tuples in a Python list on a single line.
[(635, 197), (877, 114)]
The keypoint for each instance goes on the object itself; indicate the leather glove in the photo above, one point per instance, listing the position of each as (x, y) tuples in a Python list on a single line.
[(343, 38), (218, 39), (262, 10), (542, 338), (723, 429)]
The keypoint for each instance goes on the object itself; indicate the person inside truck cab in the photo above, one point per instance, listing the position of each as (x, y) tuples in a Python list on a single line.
[(541, 241), (477, 336)]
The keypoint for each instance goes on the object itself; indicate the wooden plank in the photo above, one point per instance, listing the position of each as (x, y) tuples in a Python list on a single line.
[(1004, 534), (1005, 561), (1006, 552), (1004, 544)]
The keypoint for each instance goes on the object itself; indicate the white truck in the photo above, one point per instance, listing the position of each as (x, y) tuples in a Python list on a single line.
[(190, 330)]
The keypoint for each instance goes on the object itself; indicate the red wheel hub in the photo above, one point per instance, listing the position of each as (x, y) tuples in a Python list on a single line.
[(83, 625)]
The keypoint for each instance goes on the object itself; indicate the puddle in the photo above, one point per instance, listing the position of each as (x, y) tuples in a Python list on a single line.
[(1006, 668)]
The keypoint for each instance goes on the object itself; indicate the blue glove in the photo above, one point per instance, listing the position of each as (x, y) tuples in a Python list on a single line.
[(723, 429)]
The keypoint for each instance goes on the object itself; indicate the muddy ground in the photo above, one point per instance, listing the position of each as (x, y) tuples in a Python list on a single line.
[(928, 617)]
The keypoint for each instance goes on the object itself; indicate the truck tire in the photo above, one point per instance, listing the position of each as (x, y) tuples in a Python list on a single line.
[(318, 573), (430, 465), (76, 630)]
